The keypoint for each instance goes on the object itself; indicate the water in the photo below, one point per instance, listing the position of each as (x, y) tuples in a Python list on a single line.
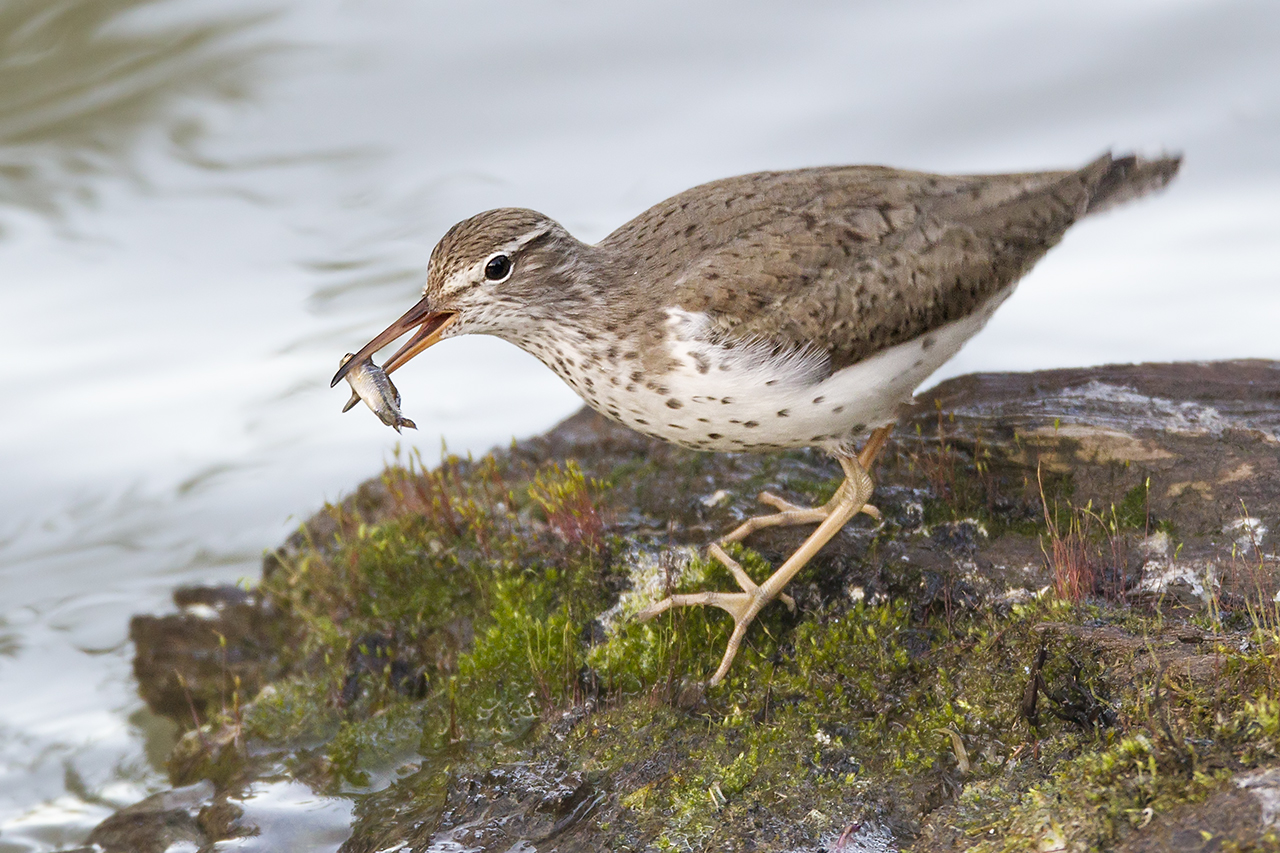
[(205, 203)]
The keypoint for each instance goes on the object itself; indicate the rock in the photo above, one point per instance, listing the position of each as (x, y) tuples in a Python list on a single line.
[(1241, 817), (1063, 633), (1208, 434), (217, 651), (212, 753), (162, 822)]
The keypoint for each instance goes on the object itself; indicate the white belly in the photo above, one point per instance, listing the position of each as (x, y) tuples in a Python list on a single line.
[(743, 398)]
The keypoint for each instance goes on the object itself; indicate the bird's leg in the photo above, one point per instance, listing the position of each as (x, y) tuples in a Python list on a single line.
[(848, 500), (790, 514)]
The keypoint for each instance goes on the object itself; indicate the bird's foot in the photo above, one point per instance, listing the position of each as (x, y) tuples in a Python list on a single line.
[(848, 501), (742, 606), (788, 515)]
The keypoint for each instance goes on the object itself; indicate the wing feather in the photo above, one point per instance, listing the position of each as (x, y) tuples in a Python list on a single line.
[(849, 261)]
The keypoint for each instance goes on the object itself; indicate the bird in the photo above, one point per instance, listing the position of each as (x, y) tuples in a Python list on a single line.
[(763, 312)]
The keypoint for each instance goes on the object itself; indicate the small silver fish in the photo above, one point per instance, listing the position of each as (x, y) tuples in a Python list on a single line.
[(369, 383)]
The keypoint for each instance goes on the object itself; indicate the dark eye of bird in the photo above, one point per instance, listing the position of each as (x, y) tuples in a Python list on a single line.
[(498, 268)]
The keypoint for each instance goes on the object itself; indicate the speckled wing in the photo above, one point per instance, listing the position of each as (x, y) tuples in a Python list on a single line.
[(869, 257)]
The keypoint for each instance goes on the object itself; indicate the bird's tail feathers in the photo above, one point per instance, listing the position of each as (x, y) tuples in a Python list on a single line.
[(1124, 178)]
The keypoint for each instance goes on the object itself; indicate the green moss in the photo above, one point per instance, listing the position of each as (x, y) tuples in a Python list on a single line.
[(1093, 799), (456, 628), (687, 643), (474, 593), (525, 657), (851, 704), (294, 713), (377, 744), (1133, 511)]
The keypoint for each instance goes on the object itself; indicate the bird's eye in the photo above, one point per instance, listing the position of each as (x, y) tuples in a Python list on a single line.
[(498, 268)]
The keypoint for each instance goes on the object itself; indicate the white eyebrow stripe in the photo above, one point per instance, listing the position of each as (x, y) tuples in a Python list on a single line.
[(475, 273), (524, 239), (508, 248)]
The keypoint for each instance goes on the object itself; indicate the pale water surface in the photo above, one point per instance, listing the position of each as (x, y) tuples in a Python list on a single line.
[(205, 203)]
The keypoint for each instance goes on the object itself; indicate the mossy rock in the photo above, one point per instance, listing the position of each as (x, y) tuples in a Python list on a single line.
[(1051, 639)]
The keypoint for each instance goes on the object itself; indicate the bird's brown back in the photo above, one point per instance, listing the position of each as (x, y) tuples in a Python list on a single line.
[(855, 259)]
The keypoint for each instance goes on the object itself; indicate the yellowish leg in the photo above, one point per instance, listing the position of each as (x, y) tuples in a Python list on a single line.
[(848, 500), (790, 514)]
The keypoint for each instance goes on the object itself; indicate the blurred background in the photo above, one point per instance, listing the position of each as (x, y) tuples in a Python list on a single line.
[(204, 203)]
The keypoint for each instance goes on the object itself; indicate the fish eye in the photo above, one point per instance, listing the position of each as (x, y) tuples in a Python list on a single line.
[(497, 268)]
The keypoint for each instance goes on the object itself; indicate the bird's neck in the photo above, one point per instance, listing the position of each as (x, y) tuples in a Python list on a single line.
[(591, 315)]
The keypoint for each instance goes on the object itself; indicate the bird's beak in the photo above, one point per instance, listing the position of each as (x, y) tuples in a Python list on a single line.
[(430, 323)]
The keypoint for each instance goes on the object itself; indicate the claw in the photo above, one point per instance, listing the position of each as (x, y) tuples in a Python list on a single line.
[(789, 514), (742, 606), (849, 500), (770, 499)]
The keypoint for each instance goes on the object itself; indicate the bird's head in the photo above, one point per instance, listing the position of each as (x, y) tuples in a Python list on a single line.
[(499, 272)]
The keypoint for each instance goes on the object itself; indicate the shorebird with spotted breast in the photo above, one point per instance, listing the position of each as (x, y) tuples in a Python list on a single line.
[(768, 311)]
